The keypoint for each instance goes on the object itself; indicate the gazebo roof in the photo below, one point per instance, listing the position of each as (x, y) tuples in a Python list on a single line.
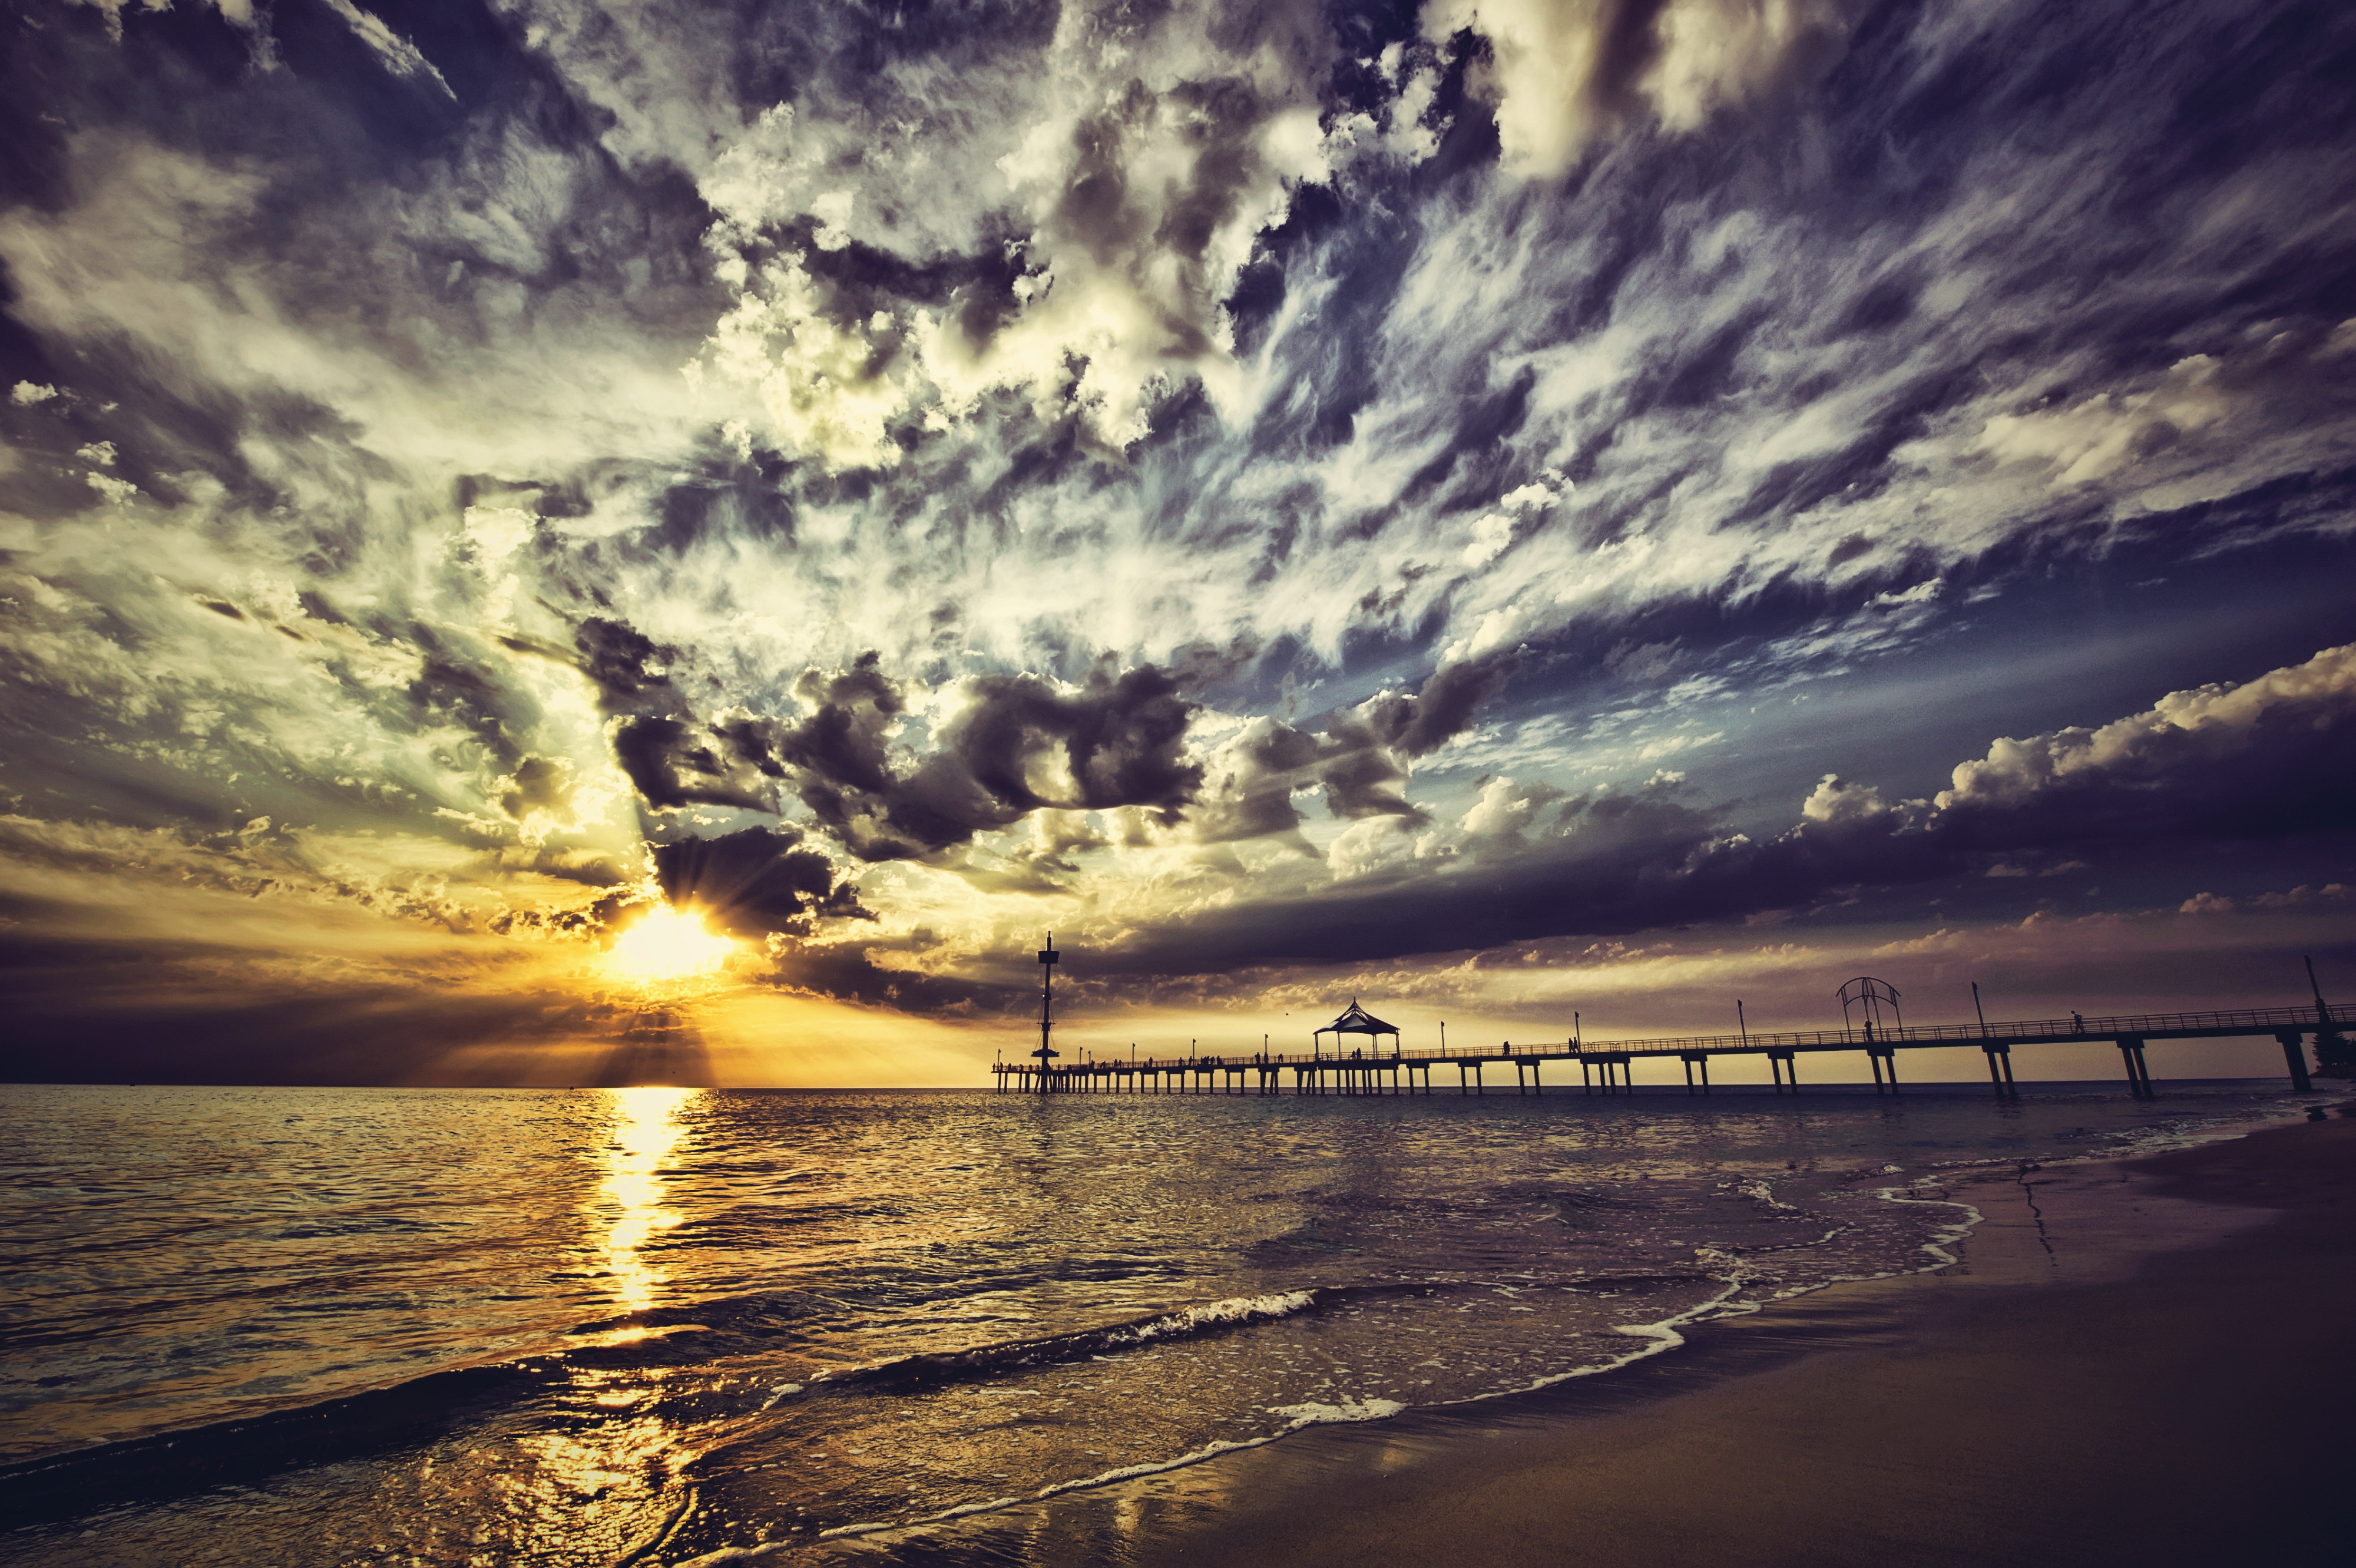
[(1358, 1021)]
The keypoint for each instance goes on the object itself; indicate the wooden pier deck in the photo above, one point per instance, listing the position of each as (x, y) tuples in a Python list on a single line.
[(1603, 1065)]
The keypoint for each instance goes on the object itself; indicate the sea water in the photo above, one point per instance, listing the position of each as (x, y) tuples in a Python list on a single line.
[(301, 1326)]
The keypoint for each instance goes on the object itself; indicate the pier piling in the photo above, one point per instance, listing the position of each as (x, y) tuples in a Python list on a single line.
[(2295, 1053), (2138, 1072)]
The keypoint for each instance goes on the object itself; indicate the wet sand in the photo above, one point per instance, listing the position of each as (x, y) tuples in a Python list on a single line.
[(2143, 1362)]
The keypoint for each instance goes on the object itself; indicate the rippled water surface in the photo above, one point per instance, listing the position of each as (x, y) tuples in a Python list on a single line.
[(325, 1325)]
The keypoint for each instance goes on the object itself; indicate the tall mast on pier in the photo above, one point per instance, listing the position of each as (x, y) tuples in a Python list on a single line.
[(1046, 1052)]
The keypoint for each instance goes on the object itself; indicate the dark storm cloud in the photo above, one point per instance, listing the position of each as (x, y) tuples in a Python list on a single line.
[(1121, 741), (1010, 745), (1013, 744), (1358, 761), (1363, 755), (630, 669), (539, 784), (2274, 757), (676, 762), (1420, 724), (1016, 745), (842, 741), (754, 881), (176, 1012), (850, 972)]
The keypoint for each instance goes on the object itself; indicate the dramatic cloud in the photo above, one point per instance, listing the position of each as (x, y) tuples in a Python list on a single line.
[(1564, 73), (2271, 757), (753, 882), (1231, 483)]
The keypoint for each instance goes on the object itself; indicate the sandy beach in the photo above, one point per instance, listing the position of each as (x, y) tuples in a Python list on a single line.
[(2135, 1361)]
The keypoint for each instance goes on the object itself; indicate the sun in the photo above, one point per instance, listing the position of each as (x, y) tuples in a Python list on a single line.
[(668, 944)]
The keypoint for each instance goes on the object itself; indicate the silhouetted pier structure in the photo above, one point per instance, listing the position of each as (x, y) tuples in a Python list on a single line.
[(1604, 1064)]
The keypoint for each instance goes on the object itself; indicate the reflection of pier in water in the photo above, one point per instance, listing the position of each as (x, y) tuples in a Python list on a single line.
[(1603, 1065)]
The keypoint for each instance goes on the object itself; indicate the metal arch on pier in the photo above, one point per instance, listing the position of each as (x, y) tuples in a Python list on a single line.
[(1604, 1064)]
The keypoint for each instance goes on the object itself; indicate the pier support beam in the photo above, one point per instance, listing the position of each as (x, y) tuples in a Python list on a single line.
[(2138, 1074), (1696, 1059), (1999, 1060), (2295, 1053)]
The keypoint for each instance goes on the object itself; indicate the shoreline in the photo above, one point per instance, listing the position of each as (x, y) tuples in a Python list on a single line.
[(2078, 1387)]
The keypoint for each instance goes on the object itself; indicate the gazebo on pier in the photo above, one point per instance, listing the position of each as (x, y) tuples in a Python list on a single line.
[(1357, 1020)]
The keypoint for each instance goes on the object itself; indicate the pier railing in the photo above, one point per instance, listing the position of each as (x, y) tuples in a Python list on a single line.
[(2016, 1031), (2244, 1020)]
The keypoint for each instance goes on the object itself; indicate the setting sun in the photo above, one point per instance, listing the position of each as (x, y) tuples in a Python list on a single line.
[(668, 944)]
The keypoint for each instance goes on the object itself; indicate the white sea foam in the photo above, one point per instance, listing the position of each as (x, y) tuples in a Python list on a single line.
[(1297, 1417), (1082, 1343), (1303, 1416), (1234, 1309)]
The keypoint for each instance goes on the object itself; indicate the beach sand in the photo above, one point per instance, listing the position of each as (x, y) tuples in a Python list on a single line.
[(2142, 1362)]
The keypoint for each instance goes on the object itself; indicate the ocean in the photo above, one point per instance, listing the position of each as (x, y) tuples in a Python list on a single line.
[(295, 1326)]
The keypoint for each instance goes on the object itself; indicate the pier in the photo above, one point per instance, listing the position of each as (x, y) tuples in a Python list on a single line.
[(1603, 1065)]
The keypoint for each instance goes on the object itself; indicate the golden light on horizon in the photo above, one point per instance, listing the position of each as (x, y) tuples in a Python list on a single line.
[(667, 944)]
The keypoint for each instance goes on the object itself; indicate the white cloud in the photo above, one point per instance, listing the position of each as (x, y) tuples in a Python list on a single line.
[(1837, 799), (1146, 160), (399, 55), (1565, 73), (2182, 728)]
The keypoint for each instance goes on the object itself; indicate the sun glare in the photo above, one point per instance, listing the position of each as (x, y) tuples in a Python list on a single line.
[(668, 944)]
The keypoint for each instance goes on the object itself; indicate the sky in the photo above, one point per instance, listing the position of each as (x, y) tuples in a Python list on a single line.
[(548, 543)]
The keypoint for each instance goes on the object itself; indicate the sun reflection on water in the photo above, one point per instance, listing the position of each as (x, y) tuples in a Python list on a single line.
[(646, 1129)]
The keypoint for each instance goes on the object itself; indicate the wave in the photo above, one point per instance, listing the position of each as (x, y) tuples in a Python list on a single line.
[(1297, 1418), (245, 1451), (931, 1367), (1732, 1299)]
